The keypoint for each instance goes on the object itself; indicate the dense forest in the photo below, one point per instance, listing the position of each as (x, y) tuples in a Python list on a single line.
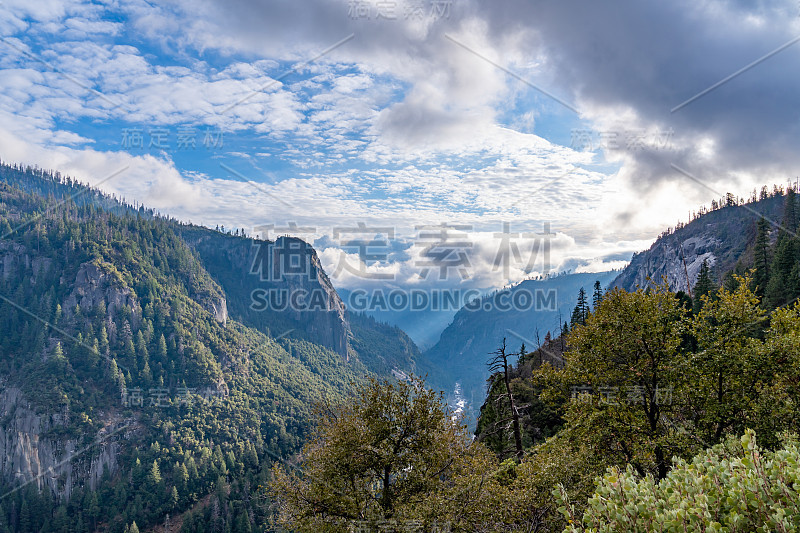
[(111, 347)]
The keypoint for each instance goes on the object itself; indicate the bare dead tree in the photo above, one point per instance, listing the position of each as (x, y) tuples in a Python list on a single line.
[(499, 363)]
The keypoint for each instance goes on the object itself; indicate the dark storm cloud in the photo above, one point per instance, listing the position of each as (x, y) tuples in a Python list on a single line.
[(646, 57), (653, 56)]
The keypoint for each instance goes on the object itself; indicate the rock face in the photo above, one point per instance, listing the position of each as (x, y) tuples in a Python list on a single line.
[(219, 308), (15, 258), (277, 286), (27, 455), (676, 260), (721, 237), (94, 285), (321, 311)]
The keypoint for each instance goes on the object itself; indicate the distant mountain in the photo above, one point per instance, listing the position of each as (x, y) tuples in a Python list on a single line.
[(423, 325), (140, 374), (522, 314)]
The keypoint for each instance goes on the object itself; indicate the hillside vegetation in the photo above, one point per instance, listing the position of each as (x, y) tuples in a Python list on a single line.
[(117, 350)]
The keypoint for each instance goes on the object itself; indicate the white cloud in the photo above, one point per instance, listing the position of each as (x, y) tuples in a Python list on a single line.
[(401, 124)]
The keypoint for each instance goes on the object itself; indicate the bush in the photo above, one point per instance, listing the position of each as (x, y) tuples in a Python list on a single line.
[(735, 486)]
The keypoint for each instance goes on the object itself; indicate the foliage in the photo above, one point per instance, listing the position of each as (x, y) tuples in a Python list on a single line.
[(645, 379), (735, 486), (396, 452), (236, 399)]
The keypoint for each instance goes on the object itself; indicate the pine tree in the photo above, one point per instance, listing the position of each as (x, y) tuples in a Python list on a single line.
[(25, 518), (761, 260), (790, 211), (155, 474), (182, 477), (781, 287), (173, 498), (581, 311), (162, 349), (597, 297), (113, 370), (705, 285)]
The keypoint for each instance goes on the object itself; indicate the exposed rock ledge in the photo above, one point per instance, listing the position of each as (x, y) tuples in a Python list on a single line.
[(27, 455)]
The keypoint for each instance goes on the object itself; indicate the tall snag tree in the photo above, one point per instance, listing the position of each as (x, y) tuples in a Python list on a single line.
[(500, 367)]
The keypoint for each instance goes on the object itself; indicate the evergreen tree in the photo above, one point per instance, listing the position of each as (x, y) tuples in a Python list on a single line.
[(155, 474), (162, 349), (58, 353), (704, 286), (581, 311), (781, 287), (173, 498), (790, 218), (597, 297), (761, 260)]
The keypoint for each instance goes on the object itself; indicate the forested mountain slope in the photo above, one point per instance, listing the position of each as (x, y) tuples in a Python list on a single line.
[(127, 392), (720, 236), (477, 330)]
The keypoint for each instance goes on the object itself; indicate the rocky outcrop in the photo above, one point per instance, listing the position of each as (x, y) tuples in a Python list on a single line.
[(15, 258), (320, 311), (677, 260), (277, 286), (721, 237), (95, 284), (218, 307), (29, 456)]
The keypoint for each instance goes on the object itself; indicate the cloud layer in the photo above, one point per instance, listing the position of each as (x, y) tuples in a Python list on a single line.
[(410, 113)]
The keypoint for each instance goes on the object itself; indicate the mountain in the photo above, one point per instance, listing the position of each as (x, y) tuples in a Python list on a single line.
[(140, 381), (722, 237), (260, 278), (523, 313), (726, 238), (423, 325)]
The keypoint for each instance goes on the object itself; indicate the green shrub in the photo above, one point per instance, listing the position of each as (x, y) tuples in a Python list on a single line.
[(735, 486)]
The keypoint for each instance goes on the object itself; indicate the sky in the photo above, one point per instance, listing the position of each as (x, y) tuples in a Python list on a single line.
[(415, 143)]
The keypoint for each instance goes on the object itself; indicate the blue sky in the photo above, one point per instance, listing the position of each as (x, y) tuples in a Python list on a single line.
[(403, 114)]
